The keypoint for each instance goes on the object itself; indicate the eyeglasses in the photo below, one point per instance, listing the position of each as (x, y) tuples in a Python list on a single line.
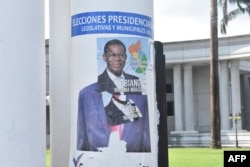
[(113, 55)]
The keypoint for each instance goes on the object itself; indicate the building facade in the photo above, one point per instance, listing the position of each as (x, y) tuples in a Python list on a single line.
[(188, 90)]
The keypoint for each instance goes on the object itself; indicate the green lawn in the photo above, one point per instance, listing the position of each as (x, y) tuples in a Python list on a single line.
[(47, 158), (189, 157), (192, 157), (198, 157)]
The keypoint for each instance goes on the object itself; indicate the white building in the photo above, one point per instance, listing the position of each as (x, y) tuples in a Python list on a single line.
[(188, 90)]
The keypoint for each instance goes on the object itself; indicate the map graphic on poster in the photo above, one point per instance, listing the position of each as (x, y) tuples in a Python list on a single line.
[(139, 60)]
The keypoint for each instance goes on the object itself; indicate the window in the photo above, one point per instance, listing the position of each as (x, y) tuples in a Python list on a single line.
[(170, 108), (169, 88)]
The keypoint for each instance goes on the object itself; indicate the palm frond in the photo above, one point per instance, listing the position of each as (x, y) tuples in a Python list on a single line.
[(248, 10), (230, 16), (223, 3)]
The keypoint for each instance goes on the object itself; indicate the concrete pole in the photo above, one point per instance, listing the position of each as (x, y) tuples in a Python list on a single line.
[(22, 86), (60, 82)]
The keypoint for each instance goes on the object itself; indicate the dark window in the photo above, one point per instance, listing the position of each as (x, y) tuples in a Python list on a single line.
[(170, 108), (169, 88)]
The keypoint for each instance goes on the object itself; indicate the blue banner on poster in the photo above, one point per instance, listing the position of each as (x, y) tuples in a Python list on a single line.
[(111, 22)]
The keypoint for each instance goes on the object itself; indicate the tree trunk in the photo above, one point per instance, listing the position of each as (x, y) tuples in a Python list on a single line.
[(214, 78)]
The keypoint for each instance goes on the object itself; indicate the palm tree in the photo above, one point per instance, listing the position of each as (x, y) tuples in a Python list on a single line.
[(214, 77), (243, 6)]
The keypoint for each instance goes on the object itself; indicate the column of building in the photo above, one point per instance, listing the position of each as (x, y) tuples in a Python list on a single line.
[(235, 86), (224, 95), (178, 98), (184, 114), (188, 96), (230, 96)]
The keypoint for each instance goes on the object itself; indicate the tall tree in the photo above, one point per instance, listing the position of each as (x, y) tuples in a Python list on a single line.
[(243, 6), (214, 77)]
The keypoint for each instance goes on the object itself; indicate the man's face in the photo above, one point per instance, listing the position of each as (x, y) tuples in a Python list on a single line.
[(115, 59)]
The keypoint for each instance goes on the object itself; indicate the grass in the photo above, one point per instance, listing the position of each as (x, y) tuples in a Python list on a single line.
[(189, 157), (198, 157), (48, 158)]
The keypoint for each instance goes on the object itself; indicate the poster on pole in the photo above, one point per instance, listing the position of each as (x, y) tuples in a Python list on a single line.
[(114, 121)]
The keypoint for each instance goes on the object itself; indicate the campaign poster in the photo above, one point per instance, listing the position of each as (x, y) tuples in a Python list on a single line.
[(113, 113), (114, 123)]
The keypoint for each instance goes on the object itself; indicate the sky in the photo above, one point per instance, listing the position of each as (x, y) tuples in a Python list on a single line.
[(181, 20)]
